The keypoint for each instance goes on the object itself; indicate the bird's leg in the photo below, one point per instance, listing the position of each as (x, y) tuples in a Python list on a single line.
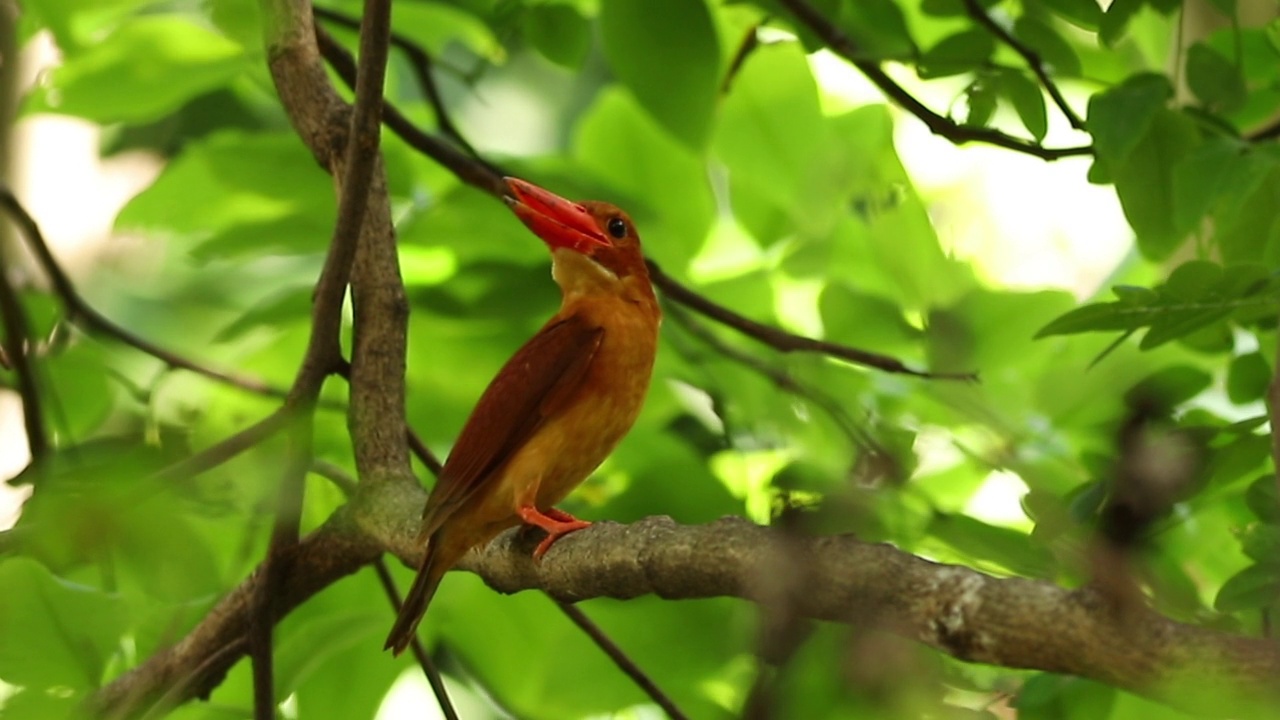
[(556, 523)]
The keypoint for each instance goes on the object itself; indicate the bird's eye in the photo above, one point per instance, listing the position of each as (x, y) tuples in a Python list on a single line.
[(617, 228)]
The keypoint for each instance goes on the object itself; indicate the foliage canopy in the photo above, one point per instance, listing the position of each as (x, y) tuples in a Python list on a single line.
[(765, 190)]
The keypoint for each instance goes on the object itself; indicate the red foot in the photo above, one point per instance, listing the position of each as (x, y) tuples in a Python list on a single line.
[(556, 522)]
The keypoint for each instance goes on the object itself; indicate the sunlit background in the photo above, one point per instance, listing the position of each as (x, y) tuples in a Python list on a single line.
[(1022, 222)]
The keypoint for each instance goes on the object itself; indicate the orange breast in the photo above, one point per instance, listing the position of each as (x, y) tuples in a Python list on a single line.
[(572, 444)]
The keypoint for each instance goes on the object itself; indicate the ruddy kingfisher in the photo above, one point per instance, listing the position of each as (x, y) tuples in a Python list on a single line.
[(558, 407)]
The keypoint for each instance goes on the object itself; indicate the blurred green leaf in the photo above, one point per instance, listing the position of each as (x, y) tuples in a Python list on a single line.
[(1254, 587), (667, 54), (1115, 20), (1171, 386), (107, 84), (1049, 44), (981, 541), (1144, 181), (961, 52), (1214, 79), (1084, 13), (1261, 542), (1263, 500), (560, 32), (1120, 117), (1046, 696), (41, 611), (1248, 377), (1027, 100)]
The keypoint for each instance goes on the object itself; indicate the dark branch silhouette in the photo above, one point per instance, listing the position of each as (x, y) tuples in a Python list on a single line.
[(959, 134), (17, 350), (1031, 57)]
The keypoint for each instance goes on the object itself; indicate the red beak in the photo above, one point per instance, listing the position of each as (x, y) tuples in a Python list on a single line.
[(559, 222)]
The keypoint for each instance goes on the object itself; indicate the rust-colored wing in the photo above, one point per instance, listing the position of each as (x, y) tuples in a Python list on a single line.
[(534, 384)]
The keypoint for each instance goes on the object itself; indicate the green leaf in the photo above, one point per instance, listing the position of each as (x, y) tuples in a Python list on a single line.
[(1193, 279), (233, 179), (282, 307), (1261, 543), (864, 320), (1144, 181), (1244, 221), (1263, 500), (559, 32), (1099, 316), (979, 540), (1027, 100), (980, 96), (1057, 54), (878, 28), (1046, 696), (81, 387), (1083, 13), (666, 52), (961, 52), (951, 8), (1248, 378), (1115, 21), (1257, 586), (1214, 79), (40, 610), (771, 133), (665, 185), (1120, 117), (145, 69), (1218, 176), (1172, 386)]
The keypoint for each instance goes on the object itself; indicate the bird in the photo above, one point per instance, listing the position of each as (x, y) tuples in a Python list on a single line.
[(558, 407)]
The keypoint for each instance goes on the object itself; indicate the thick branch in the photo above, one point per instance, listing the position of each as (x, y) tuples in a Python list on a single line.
[(196, 665), (1011, 622)]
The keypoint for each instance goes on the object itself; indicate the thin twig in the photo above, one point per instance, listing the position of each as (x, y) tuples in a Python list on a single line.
[(83, 314), (842, 45), (347, 485), (324, 348), (620, 658), (16, 346), (424, 659), (473, 171), (1032, 58), (421, 63), (780, 339), (225, 450), (859, 438), (750, 41), (424, 453)]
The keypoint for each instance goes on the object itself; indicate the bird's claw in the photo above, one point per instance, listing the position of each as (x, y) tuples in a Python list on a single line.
[(556, 523)]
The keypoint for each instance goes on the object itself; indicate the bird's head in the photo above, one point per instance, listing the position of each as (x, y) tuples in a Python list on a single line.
[(590, 230)]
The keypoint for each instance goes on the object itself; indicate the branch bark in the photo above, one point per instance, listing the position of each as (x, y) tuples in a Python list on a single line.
[(1011, 622)]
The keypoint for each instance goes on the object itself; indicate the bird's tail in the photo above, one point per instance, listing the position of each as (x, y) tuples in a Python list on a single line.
[(415, 603)]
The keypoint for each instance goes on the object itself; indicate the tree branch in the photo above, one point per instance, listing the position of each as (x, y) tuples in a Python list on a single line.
[(16, 349), (473, 171), (423, 67), (1031, 57), (1010, 622), (84, 314), (780, 339), (843, 46)]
